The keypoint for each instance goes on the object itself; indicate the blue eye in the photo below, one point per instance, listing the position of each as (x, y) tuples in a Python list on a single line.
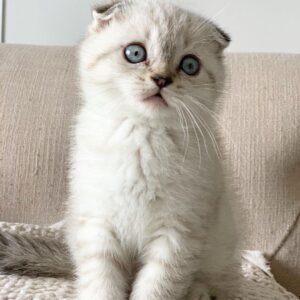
[(135, 53), (190, 65)]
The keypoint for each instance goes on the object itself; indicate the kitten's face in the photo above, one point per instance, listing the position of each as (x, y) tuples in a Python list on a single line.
[(153, 59)]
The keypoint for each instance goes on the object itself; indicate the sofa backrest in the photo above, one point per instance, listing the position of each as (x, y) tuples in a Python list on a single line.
[(38, 98), (261, 127)]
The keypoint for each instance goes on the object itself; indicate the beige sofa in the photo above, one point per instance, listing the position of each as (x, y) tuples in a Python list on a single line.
[(261, 126)]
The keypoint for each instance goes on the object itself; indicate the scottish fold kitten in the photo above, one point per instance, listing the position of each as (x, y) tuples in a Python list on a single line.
[(149, 215)]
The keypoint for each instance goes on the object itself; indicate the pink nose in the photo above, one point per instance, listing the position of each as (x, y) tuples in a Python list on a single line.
[(161, 81)]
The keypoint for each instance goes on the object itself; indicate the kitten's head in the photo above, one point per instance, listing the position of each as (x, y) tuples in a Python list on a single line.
[(150, 58)]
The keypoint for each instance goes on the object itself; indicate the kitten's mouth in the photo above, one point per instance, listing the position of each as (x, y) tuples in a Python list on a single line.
[(156, 99)]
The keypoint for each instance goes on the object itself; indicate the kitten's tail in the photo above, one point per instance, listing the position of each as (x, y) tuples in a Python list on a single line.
[(34, 257)]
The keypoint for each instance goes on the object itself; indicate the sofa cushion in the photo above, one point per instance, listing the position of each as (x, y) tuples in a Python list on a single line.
[(260, 121)]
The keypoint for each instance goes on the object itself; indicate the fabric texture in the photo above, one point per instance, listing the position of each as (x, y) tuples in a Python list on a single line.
[(261, 117), (260, 124), (257, 283), (38, 98)]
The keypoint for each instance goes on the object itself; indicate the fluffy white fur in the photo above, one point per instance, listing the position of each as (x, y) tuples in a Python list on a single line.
[(148, 216)]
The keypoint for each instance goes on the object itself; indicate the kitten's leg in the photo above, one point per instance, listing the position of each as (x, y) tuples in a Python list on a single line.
[(167, 270), (99, 261)]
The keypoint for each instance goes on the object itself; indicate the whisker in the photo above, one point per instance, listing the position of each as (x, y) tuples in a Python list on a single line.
[(211, 19), (211, 135), (213, 89), (179, 112), (200, 130), (219, 121), (188, 135), (194, 122)]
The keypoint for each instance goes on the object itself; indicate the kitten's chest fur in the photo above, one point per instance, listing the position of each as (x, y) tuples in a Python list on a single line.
[(147, 169), (147, 163), (127, 159), (135, 177)]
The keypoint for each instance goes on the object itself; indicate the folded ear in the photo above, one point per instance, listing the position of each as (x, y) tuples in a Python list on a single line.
[(221, 37), (103, 14)]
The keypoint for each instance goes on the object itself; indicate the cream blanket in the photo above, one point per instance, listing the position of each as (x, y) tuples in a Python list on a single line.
[(257, 282)]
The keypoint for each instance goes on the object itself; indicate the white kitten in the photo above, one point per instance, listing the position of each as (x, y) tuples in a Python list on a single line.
[(148, 214)]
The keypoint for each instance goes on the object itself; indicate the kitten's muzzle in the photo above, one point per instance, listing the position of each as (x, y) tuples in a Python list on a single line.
[(156, 99), (162, 81)]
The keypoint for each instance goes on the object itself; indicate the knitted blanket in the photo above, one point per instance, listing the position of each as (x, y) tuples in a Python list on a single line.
[(257, 282)]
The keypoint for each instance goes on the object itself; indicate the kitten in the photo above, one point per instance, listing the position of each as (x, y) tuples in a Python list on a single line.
[(148, 215)]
